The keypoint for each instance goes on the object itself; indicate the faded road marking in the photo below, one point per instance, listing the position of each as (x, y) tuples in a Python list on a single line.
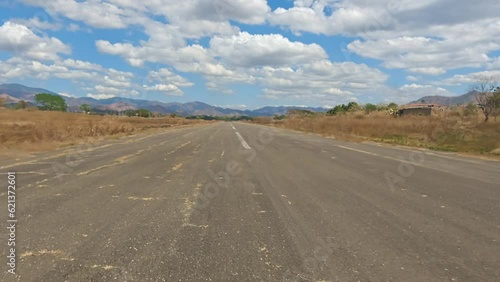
[(382, 156), (189, 205), (194, 225), (140, 199), (359, 151), (105, 267), (96, 169), (63, 154), (62, 256), (243, 142), (183, 145), (117, 161), (196, 148), (57, 253), (178, 147), (25, 172), (176, 167), (42, 181)]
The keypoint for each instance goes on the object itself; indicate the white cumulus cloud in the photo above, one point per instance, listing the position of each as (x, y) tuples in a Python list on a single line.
[(22, 41)]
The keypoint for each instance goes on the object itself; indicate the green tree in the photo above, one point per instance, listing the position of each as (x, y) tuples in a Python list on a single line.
[(49, 102), (143, 113), (370, 108), (342, 109), (393, 109), (339, 109), (85, 108), (21, 105), (352, 107), (392, 105)]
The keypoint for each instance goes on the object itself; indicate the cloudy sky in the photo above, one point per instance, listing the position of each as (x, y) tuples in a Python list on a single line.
[(250, 53)]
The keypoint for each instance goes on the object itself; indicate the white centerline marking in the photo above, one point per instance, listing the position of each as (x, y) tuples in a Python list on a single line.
[(243, 142)]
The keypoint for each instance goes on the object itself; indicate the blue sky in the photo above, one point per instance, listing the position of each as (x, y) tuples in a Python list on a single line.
[(248, 54)]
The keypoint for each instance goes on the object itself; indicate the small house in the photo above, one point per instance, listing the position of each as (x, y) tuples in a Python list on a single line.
[(426, 111)]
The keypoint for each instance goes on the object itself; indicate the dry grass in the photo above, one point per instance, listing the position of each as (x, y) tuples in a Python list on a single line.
[(446, 131), (30, 131)]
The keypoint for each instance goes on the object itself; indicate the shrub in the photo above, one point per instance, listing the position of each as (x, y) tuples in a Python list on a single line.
[(470, 109)]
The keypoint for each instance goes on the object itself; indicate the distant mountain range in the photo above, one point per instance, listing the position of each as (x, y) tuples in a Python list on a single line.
[(448, 101), (22, 92), (13, 93)]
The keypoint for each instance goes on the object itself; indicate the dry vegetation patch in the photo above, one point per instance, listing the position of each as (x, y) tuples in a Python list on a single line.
[(30, 131), (450, 130)]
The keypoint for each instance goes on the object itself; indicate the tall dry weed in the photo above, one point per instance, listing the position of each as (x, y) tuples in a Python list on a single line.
[(39, 130)]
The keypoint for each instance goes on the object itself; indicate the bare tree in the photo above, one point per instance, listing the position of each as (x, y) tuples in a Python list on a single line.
[(485, 89)]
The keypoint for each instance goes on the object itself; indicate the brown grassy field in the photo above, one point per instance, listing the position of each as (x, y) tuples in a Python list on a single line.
[(446, 131), (31, 131)]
